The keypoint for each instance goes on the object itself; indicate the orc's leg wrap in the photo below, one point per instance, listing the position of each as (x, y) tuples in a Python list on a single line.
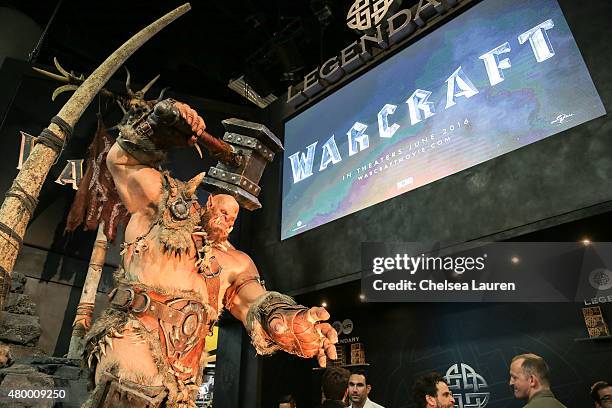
[(300, 336), (114, 392)]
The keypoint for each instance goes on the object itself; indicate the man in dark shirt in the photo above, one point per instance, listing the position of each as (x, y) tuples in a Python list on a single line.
[(334, 385), (530, 380)]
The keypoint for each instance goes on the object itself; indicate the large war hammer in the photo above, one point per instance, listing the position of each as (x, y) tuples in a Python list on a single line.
[(243, 153)]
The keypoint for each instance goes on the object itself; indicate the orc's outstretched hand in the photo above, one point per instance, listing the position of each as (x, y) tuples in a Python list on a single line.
[(276, 322), (301, 331)]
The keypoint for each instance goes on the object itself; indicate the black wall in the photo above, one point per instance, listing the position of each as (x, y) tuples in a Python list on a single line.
[(564, 177), (405, 340)]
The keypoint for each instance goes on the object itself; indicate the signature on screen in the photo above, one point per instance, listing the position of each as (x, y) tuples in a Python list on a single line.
[(561, 118)]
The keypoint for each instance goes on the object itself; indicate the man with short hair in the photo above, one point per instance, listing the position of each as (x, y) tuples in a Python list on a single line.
[(359, 389), (601, 392), (431, 391), (530, 380), (334, 385), (286, 401)]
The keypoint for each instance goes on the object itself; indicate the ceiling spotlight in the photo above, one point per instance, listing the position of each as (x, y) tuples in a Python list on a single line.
[(324, 304), (361, 297), (586, 242), (241, 87), (515, 260)]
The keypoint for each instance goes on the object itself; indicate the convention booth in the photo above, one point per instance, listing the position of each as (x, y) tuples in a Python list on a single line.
[(460, 99), (448, 129)]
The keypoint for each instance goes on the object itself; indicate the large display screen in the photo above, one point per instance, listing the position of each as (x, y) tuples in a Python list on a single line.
[(503, 75)]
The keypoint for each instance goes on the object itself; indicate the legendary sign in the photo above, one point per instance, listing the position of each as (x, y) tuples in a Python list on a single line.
[(363, 15)]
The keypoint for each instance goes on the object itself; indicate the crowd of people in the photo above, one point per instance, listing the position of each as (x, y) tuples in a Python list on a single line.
[(529, 380)]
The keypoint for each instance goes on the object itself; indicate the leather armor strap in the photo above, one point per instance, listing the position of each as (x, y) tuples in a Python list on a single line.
[(213, 282), (141, 302), (241, 281), (212, 287), (139, 146)]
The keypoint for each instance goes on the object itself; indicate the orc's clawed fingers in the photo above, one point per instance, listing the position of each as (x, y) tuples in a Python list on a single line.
[(191, 117), (317, 314)]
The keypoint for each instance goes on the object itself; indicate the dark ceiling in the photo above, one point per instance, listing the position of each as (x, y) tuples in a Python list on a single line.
[(199, 53)]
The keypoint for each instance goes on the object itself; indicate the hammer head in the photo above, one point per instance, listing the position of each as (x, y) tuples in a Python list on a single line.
[(257, 145)]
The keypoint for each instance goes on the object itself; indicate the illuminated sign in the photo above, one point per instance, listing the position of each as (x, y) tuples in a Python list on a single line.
[(503, 75), (368, 15)]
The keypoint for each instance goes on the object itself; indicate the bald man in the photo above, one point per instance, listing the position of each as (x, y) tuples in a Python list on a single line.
[(530, 380)]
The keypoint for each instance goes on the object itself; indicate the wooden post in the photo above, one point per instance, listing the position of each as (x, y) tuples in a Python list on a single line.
[(85, 309)]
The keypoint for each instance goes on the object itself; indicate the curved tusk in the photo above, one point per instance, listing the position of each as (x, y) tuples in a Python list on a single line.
[(121, 106), (149, 85), (76, 105), (63, 88), (127, 83), (51, 75), (60, 68), (161, 94), (198, 150)]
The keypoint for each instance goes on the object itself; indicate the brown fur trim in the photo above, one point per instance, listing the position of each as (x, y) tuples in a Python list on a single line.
[(117, 320), (174, 233), (112, 320), (97, 198)]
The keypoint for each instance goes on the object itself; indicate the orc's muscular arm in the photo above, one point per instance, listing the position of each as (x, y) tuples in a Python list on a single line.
[(274, 321), (138, 185)]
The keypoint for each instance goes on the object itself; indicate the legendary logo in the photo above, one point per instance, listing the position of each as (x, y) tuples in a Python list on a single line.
[(347, 326), (467, 385), (337, 326), (365, 14), (601, 279), (344, 327), (379, 33)]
